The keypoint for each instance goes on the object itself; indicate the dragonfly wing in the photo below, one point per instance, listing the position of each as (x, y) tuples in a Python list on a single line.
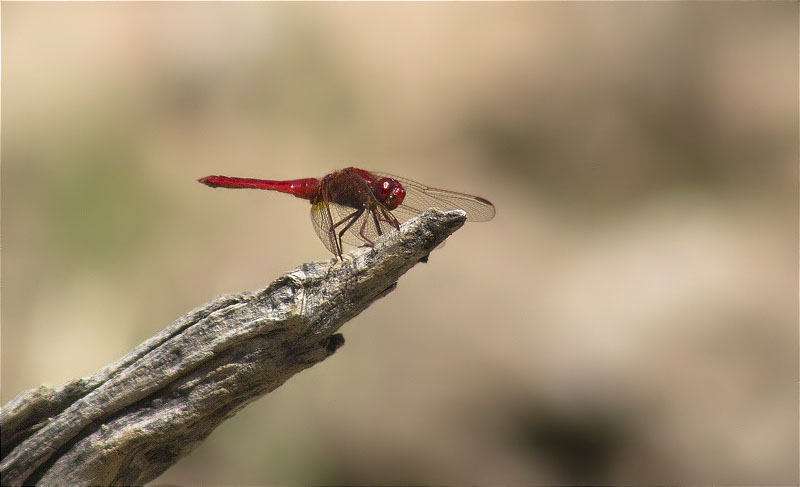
[(355, 228), (406, 212), (322, 221), (331, 219)]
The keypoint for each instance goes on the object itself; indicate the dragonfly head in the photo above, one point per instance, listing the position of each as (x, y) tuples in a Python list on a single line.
[(390, 192)]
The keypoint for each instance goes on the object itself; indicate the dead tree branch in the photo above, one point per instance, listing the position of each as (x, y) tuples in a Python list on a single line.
[(136, 417)]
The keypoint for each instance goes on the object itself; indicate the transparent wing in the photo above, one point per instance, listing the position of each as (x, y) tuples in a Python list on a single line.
[(321, 220), (330, 219), (343, 219), (420, 198), (356, 227)]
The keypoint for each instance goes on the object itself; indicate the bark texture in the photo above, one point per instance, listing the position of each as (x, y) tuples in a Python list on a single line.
[(136, 417)]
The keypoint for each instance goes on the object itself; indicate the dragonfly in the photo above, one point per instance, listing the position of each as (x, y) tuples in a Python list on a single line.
[(355, 206)]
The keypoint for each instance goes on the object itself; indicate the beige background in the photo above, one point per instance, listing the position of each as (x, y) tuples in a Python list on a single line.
[(630, 315)]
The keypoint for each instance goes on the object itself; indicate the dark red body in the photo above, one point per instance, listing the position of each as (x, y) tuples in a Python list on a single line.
[(356, 206), (302, 188), (350, 187)]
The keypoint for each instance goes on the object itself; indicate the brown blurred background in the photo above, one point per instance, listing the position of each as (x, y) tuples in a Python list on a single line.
[(630, 315)]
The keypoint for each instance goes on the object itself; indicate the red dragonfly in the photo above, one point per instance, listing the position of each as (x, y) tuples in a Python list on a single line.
[(355, 206)]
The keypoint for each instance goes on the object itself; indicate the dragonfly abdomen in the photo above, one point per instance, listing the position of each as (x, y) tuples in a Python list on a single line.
[(302, 188)]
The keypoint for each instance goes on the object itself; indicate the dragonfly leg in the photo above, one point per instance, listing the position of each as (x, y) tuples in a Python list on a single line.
[(349, 219), (364, 225), (332, 234), (386, 216), (377, 223), (378, 215)]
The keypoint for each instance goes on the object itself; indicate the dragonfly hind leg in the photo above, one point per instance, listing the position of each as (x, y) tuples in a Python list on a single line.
[(350, 220)]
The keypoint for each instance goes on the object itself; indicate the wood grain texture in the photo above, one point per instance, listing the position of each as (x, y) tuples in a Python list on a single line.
[(136, 417)]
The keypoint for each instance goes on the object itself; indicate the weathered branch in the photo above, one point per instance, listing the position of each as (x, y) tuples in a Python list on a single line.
[(136, 417)]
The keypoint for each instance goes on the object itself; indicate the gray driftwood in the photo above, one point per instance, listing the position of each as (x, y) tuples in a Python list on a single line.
[(135, 418)]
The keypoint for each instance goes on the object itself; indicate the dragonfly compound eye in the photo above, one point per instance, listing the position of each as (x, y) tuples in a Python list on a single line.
[(390, 192)]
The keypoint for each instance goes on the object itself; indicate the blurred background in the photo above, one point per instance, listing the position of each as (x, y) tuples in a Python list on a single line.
[(630, 315)]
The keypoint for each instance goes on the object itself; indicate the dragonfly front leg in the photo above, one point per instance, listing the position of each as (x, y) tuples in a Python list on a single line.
[(388, 217), (384, 216)]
